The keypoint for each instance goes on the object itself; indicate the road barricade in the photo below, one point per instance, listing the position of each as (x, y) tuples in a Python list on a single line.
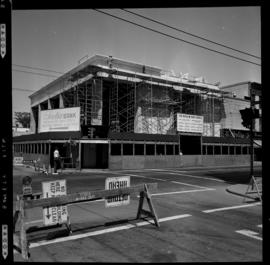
[(23, 204)]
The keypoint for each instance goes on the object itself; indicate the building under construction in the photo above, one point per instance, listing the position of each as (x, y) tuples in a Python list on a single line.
[(130, 116)]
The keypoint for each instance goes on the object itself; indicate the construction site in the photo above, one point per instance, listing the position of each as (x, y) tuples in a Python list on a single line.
[(133, 116)]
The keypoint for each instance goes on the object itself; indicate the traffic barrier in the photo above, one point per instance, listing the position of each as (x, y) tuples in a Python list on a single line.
[(23, 204)]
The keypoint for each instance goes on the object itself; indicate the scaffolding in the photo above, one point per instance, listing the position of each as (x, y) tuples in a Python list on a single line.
[(140, 103)]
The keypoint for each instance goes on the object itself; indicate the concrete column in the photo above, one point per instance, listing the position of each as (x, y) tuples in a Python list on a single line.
[(49, 104), (80, 155), (144, 148), (61, 101), (32, 122)]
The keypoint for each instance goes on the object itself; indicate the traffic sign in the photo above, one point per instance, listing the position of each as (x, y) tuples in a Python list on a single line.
[(57, 214), (117, 183)]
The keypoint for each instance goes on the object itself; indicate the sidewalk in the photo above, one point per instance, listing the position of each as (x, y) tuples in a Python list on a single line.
[(241, 190)]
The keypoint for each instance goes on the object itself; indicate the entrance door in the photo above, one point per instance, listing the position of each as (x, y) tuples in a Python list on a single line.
[(95, 155)]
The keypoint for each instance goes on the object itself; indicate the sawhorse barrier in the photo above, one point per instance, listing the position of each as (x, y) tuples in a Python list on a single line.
[(23, 204)]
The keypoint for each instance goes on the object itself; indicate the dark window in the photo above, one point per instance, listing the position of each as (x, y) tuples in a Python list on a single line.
[(160, 149), (217, 149), (150, 149), (238, 150), (231, 150), (139, 149), (169, 149), (245, 150), (225, 150), (176, 149), (190, 145), (210, 149), (127, 149), (46, 149), (115, 149), (204, 149)]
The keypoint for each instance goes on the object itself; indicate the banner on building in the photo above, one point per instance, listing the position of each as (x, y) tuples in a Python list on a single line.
[(189, 123), (56, 120)]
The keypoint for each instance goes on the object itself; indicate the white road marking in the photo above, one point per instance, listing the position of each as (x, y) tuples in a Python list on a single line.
[(177, 192), (176, 182), (191, 176), (231, 207), (249, 233), (104, 231), (187, 184)]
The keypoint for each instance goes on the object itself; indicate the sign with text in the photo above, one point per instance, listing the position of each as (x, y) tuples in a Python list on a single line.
[(57, 214), (117, 183), (56, 120), (189, 123)]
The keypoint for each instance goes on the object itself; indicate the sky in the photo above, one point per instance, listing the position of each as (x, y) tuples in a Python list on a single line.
[(58, 40)]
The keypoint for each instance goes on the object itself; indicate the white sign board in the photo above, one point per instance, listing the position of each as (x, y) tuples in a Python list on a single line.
[(56, 120), (18, 160), (189, 123), (117, 183), (57, 214)]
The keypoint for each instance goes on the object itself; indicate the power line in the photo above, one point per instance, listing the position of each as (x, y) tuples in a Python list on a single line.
[(188, 33), (36, 68), (33, 73), (173, 37)]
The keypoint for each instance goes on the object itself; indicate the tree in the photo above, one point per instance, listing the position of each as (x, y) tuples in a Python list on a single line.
[(23, 118)]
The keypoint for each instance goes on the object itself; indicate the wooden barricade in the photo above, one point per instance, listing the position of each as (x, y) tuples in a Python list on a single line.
[(254, 189), (23, 204)]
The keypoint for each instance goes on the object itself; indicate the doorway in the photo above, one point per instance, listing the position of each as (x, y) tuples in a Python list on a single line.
[(94, 155)]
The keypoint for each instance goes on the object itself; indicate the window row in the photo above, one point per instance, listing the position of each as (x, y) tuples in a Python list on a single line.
[(173, 149), (225, 150), (144, 149), (34, 148)]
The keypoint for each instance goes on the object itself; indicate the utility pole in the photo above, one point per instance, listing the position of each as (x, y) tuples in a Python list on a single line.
[(251, 132)]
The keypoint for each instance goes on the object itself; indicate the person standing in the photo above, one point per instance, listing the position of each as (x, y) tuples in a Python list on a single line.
[(56, 159)]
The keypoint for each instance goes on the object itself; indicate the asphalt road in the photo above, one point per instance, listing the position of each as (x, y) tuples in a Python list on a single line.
[(199, 220)]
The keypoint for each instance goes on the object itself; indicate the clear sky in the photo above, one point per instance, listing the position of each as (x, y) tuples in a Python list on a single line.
[(58, 39)]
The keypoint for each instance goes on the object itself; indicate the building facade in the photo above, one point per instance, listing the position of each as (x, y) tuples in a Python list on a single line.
[(110, 113)]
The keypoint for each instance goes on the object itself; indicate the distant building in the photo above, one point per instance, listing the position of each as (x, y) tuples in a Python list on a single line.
[(111, 113), (238, 97)]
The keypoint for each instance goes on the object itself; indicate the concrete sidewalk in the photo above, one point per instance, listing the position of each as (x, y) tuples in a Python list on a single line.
[(245, 191)]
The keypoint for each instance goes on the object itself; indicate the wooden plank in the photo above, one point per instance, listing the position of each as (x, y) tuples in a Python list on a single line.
[(87, 196), (23, 236)]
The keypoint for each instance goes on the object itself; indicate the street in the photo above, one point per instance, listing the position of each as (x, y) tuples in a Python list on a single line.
[(199, 220)]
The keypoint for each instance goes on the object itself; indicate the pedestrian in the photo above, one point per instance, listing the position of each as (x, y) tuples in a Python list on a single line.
[(56, 159)]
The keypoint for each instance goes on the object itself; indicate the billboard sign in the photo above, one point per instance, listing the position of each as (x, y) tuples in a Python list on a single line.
[(57, 214), (18, 160), (117, 183), (189, 123), (56, 120)]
